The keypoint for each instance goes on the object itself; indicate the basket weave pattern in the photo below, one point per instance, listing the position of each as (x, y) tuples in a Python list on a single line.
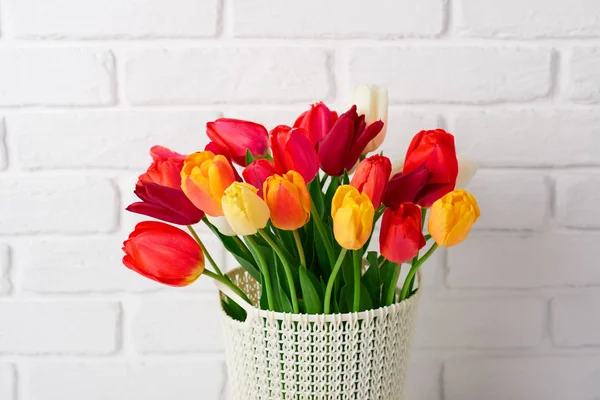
[(359, 356)]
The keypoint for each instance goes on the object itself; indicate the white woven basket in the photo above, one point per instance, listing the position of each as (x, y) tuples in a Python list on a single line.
[(358, 356)]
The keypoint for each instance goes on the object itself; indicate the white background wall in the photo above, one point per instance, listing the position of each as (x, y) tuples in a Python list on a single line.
[(87, 86)]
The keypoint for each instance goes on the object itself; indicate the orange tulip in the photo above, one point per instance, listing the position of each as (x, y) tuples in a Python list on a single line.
[(204, 178), (163, 253), (288, 200), (371, 177)]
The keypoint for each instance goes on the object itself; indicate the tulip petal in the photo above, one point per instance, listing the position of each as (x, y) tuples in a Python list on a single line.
[(404, 188)]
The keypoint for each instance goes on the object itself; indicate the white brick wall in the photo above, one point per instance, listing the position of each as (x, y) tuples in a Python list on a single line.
[(87, 86)]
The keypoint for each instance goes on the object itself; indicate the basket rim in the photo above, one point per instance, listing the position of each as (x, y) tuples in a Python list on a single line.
[(323, 318)]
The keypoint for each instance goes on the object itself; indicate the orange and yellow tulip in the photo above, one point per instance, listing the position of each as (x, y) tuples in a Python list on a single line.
[(452, 217), (163, 253), (352, 214), (288, 199), (204, 178)]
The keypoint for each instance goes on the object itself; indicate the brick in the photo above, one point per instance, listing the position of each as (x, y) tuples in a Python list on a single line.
[(403, 125), (577, 198), (529, 18), (152, 380), (75, 266), (468, 74), (104, 139), (480, 323), (497, 192), (5, 285), (553, 137), (182, 325), (262, 18), (220, 74), (7, 382), (56, 76), (548, 378), (3, 152), (93, 199), (111, 19), (575, 320), (58, 327), (584, 76), (525, 260), (424, 379)]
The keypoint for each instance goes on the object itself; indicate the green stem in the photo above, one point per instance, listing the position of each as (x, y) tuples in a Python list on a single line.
[(413, 270), (286, 268), (204, 250), (300, 248), (357, 267), (336, 269), (323, 180), (242, 245), (392, 289), (225, 281), (427, 237), (322, 233), (260, 259)]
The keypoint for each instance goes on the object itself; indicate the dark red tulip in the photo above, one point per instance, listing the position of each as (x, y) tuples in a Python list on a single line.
[(341, 148), (238, 136), (257, 173), (159, 188), (436, 150), (163, 253), (404, 188), (317, 121), (401, 235), (293, 151)]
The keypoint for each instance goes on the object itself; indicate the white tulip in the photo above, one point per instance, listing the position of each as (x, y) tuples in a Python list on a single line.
[(466, 171), (222, 225), (372, 101)]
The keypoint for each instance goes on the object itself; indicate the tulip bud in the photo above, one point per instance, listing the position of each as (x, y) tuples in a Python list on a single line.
[(204, 178), (257, 173), (434, 149), (159, 188), (452, 217), (466, 171), (401, 235), (317, 122), (163, 253), (372, 101), (222, 225), (352, 215), (293, 150), (288, 200), (238, 136), (244, 210), (371, 177)]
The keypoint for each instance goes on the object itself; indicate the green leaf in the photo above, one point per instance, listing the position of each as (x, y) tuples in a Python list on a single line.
[(346, 299), (365, 299), (264, 303), (346, 178), (249, 157), (245, 259), (372, 279), (311, 298), (232, 309), (279, 286), (316, 195), (386, 274)]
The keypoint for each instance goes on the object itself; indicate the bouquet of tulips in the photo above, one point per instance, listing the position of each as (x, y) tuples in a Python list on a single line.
[(300, 216)]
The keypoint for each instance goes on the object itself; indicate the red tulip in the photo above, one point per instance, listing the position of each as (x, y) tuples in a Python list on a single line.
[(404, 188), (341, 148), (159, 188), (436, 150), (293, 150), (401, 235), (317, 121), (163, 253), (238, 136), (371, 177), (257, 173)]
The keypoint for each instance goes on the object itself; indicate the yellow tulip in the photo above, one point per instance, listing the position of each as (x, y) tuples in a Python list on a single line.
[(245, 211), (452, 217), (204, 178), (352, 215)]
